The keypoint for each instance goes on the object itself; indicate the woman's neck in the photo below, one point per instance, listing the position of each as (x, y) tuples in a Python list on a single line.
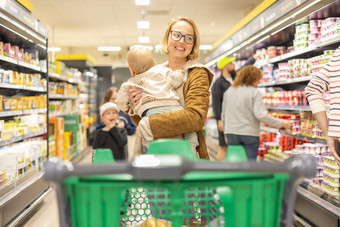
[(177, 63)]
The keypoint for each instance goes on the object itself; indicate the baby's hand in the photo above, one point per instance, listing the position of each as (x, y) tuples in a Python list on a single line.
[(135, 95)]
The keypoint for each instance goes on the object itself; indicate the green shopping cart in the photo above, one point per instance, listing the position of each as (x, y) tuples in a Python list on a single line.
[(169, 190)]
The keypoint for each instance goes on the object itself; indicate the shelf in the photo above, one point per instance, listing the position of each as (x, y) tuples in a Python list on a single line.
[(288, 81), (62, 78), (299, 52), (23, 64), (23, 137), (52, 96), (300, 137), (289, 107), (22, 87), (22, 112), (319, 200), (63, 114)]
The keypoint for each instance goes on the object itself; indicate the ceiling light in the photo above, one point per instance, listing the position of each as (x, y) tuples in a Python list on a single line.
[(143, 24), (142, 2), (109, 48), (144, 39), (53, 49), (205, 47)]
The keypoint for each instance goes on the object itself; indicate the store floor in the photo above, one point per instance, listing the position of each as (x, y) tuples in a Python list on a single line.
[(47, 213)]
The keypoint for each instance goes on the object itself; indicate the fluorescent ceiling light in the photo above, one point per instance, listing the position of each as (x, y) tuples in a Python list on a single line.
[(142, 2), (53, 49), (143, 24), (109, 48), (144, 39), (205, 47)]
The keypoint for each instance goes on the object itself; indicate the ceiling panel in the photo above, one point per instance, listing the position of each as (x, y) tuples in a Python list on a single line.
[(92, 23)]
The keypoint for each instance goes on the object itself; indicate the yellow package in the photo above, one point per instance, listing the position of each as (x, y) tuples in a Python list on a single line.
[(24, 103), (29, 103), (9, 126), (7, 104), (23, 79), (13, 104), (35, 103), (19, 103)]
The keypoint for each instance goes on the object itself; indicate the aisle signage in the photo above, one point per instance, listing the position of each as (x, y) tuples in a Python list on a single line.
[(262, 21), (17, 11)]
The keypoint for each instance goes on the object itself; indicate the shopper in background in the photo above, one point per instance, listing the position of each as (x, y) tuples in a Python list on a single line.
[(111, 136), (243, 110), (217, 90), (327, 79), (124, 120), (157, 85), (181, 43)]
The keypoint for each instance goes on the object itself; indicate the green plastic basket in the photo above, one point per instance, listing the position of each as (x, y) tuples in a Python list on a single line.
[(241, 200)]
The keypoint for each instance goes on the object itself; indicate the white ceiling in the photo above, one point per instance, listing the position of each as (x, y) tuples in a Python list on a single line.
[(93, 23)]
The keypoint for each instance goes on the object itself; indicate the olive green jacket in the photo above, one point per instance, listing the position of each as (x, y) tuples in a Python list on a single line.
[(196, 94)]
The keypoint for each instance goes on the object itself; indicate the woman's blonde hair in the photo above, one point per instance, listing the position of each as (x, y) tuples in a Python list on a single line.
[(195, 49), (247, 76), (108, 94)]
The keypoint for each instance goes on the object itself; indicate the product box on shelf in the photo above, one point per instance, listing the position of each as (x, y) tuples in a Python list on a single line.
[(58, 133), (72, 123)]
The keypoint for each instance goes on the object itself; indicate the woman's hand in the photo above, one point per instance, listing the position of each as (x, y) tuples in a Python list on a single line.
[(135, 95), (333, 145), (287, 125)]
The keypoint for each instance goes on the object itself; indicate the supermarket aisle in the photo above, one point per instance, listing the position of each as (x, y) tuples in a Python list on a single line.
[(47, 214)]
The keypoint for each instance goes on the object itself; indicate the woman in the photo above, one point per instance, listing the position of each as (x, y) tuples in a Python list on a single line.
[(243, 110), (181, 43)]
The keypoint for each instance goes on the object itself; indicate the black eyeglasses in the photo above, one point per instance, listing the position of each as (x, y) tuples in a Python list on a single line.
[(177, 36)]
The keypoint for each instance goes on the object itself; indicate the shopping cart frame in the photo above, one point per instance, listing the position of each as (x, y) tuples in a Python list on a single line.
[(174, 167)]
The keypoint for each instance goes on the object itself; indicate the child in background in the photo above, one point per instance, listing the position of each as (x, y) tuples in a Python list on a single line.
[(157, 85), (110, 136)]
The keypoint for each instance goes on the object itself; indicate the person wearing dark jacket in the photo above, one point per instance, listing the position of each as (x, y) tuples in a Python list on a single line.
[(217, 90), (111, 136)]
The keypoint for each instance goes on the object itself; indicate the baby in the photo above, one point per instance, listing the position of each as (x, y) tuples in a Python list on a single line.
[(157, 84)]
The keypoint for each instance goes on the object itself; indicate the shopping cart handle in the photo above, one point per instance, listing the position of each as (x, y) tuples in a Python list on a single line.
[(173, 167)]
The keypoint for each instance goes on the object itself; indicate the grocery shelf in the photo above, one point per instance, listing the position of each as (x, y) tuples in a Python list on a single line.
[(23, 137), (22, 64), (289, 107), (18, 195), (62, 78), (53, 96), (299, 52), (22, 87), (22, 112), (63, 114), (288, 81), (300, 137)]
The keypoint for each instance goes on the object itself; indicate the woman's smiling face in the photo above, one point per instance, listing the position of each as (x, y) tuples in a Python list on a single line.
[(180, 49)]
